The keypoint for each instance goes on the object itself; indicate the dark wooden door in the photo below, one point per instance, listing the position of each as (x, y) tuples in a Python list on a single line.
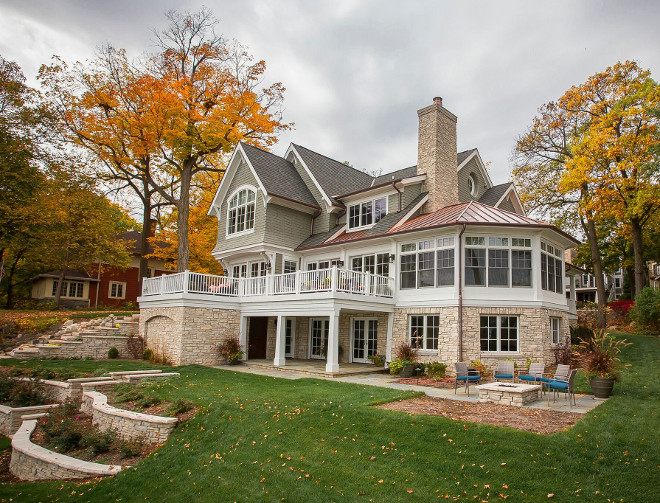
[(257, 338)]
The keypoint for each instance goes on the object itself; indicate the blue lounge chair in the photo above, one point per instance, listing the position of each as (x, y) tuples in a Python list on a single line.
[(565, 385), (533, 375), (505, 370), (463, 375)]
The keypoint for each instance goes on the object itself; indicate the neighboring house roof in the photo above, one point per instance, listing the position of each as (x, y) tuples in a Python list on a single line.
[(278, 176), (133, 238), (471, 213), (334, 177), (79, 275), (494, 194)]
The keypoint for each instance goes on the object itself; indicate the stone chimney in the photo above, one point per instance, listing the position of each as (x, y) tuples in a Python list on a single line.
[(436, 155)]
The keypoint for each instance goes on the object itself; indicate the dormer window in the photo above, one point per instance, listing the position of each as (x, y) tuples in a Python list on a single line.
[(240, 212), (366, 213)]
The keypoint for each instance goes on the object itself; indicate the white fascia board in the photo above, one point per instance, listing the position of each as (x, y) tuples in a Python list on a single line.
[(368, 194), (413, 179), (287, 203), (292, 148), (481, 165), (255, 248), (515, 199), (410, 213)]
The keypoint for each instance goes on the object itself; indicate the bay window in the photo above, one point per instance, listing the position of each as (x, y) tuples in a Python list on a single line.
[(428, 263), (503, 262), (552, 270)]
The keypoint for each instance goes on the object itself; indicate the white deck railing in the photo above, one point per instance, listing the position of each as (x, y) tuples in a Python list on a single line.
[(299, 282)]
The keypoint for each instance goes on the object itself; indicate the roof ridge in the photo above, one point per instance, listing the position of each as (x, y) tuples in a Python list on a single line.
[(464, 210)]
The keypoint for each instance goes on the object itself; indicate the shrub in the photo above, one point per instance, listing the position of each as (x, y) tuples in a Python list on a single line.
[(179, 407), (62, 427), (647, 308), (130, 449), (148, 355), (113, 353), (126, 392), (581, 332), (21, 393), (396, 366), (377, 360), (481, 368), (406, 352), (135, 346), (230, 349), (622, 306), (97, 441), (599, 355), (436, 370)]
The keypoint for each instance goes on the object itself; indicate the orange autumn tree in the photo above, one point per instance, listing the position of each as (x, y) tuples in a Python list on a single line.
[(181, 110)]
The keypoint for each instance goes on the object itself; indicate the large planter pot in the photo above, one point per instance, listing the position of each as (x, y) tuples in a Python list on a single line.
[(602, 386), (408, 370)]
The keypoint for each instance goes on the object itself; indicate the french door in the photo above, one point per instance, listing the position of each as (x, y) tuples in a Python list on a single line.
[(289, 340), (318, 337), (364, 339)]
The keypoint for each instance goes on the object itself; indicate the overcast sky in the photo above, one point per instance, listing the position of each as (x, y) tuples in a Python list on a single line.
[(357, 71)]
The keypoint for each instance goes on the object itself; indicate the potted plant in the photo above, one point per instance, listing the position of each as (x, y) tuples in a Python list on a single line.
[(407, 355), (600, 361), (230, 351), (377, 360)]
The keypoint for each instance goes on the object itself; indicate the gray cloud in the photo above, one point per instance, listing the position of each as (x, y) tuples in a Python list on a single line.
[(357, 71)]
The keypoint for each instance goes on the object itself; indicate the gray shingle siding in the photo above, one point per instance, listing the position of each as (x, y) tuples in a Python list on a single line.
[(507, 205), (471, 168), (285, 226), (324, 221), (243, 176)]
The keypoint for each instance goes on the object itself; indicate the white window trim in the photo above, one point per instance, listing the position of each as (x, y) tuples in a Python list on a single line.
[(292, 353), (510, 247), (231, 196), (366, 320), (66, 293), (373, 209), (499, 328), (123, 290), (424, 350), (435, 248), (552, 331)]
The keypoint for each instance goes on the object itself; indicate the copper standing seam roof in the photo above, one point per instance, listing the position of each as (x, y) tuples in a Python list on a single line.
[(472, 213)]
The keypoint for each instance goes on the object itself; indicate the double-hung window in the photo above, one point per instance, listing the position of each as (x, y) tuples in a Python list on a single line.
[(373, 264), (117, 290), (498, 261), (240, 212), (367, 213), (555, 327), (499, 334), (69, 289), (552, 268), (427, 263), (424, 331)]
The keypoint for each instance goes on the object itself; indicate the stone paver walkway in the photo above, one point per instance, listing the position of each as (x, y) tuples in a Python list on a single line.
[(585, 403)]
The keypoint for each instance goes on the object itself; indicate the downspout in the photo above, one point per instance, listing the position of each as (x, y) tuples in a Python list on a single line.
[(460, 293), (311, 224), (397, 189)]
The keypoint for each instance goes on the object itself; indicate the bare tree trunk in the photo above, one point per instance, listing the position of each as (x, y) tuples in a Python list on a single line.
[(183, 211), (638, 250), (10, 281), (590, 230), (58, 290), (146, 232)]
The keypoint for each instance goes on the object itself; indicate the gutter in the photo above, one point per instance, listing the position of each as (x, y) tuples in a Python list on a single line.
[(460, 293)]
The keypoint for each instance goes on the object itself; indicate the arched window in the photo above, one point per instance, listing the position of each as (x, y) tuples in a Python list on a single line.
[(472, 185), (240, 212)]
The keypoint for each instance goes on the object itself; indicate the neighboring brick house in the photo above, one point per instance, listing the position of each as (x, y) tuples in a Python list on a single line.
[(327, 262), (100, 284)]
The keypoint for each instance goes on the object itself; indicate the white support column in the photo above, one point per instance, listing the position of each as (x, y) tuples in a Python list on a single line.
[(332, 363), (390, 329), (280, 343), (242, 335)]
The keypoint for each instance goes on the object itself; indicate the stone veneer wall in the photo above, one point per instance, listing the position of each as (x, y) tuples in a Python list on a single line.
[(11, 418), (91, 346), (33, 462), (126, 424), (534, 334), (187, 335)]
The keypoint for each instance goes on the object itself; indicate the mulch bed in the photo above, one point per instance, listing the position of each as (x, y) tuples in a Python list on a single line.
[(522, 418)]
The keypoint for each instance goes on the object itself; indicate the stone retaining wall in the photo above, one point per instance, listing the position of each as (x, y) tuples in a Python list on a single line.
[(33, 462), (12, 417), (91, 346), (127, 425)]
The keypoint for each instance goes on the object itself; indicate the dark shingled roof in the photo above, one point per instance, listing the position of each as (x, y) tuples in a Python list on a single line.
[(334, 177), (319, 238), (396, 175), (78, 274), (492, 195), (279, 176), (461, 156)]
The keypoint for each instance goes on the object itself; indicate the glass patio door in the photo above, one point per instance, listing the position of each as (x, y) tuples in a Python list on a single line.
[(365, 339), (288, 338), (318, 335)]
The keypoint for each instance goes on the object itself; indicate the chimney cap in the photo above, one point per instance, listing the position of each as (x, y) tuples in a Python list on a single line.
[(437, 100)]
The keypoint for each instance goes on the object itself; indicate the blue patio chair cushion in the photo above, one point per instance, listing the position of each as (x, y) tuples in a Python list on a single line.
[(503, 376), (558, 385), (544, 379), (525, 377), (468, 378)]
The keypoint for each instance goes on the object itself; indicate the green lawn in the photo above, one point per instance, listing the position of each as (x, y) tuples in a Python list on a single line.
[(264, 439)]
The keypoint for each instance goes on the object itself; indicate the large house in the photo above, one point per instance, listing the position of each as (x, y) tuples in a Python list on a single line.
[(327, 262), (101, 284)]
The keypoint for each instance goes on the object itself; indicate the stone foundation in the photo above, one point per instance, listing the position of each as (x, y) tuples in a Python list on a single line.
[(188, 335)]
